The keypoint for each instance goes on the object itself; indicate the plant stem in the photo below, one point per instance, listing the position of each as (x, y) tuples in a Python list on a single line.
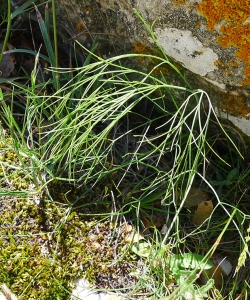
[(55, 41), (7, 32)]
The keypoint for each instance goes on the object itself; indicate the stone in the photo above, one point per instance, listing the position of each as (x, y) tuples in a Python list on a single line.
[(208, 39), (8, 294), (83, 291), (2, 297)]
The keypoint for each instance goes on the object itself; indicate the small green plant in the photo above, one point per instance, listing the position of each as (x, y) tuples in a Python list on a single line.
[(10, 16), (4, 9), (185, 268), (222, 182), (7, 31)]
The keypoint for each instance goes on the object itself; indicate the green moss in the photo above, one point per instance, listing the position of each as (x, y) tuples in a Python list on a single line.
[(43, 252), (45, 244), (12, 172)]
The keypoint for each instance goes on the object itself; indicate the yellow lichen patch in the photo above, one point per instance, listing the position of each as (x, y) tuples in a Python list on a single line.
[(235, 105), (220, 64), (228, 72), (235, 30)]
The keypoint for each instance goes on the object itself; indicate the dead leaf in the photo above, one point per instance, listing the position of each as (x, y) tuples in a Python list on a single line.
[(147, 223), (8, 62), (159, 222), (195, 197), (155, 221), (127, 228), (133, 237), (203, 212), (130, 234)]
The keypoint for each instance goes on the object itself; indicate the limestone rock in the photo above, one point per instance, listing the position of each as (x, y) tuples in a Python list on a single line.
[(209, 39)]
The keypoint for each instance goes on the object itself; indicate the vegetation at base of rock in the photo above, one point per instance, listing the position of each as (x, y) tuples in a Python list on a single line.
[(109, 172)]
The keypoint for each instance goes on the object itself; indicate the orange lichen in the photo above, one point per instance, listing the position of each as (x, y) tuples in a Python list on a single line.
[(79, 26), (235, 30), (179, 1), (233, 63), (198, 24), (216, 63), (223, 66), (160, 70), (150, 62), (229, 72), (141, 49), (236, 106)]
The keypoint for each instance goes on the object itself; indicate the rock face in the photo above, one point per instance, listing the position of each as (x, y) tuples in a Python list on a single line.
[(209, 39)]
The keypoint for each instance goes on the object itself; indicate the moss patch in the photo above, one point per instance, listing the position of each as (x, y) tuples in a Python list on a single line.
[(12, 175), (45, 249), (45, 245)]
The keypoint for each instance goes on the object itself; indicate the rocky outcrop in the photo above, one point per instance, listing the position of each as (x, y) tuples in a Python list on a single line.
[(209, 39)]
